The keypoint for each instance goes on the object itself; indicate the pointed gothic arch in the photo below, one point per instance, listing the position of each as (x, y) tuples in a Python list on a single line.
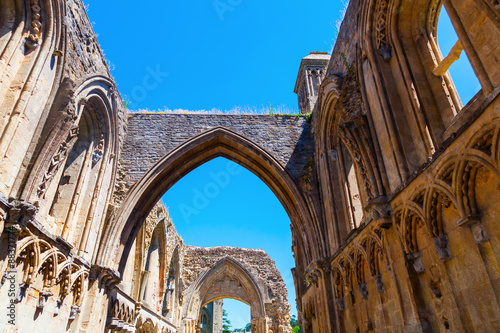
[(227, 279), (218, 142)]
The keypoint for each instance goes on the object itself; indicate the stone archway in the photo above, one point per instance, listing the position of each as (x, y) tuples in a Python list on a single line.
[(227, 279), (217, 142)]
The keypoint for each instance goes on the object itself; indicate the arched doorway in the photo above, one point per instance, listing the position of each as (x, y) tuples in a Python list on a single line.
[(227, 279)]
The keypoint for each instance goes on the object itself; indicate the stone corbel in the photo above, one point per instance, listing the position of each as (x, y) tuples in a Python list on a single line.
[(476, 226), (43, 297), (363, 290), (19, 215), (75, 310), (380, 211), (441, 247), (21, 292), (83, 101), (416, 261), (385, 52), (379, 283), (59, 304), (107, 277), (340, 303), (138, 308)]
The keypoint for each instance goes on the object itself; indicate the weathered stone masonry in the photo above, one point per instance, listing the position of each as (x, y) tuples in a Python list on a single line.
[(169, 283), (152, 136), (391, 189)]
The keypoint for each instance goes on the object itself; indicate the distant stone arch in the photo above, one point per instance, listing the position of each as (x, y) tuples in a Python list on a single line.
[(226, 279)]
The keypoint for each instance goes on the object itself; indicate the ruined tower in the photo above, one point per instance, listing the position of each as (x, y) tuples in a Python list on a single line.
[(311, 73)]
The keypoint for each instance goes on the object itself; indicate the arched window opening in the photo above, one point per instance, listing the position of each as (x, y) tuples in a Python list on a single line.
[(74, 194), (153, 268), (454, 65), (210, 216), (352, 195), (170, 299), (75, 164), (225, 315)]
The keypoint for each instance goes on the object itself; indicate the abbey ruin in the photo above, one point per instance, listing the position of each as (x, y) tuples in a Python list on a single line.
[(391, 183)]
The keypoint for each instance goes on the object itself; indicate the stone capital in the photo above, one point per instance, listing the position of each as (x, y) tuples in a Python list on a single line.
[(107, 277), (19, 215)]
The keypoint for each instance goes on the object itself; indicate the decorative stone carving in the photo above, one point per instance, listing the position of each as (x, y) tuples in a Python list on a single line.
[(472, 216), (380, 211), (35, 30), (474, 223), (43, 297), (354, 132), (381, 30), (354, 149), (379, 283), (363, 290), (415, 259), (340, 303), (107, 277), (58, 160), (19, 215), (438, 202), (157, 215), (40, 255), (442, 249), (75, 310)]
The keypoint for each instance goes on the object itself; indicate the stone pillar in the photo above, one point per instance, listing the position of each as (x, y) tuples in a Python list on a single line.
[(191, 326), (259, 325), (95, 308)]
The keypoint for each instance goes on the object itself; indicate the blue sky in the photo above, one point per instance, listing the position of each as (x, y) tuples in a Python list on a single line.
[(241, 212), (226, 54), (461, 72), (250, 57)]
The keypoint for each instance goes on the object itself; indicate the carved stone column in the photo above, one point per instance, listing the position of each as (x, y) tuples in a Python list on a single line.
[(191, 326), (259, 325), (94, 311)]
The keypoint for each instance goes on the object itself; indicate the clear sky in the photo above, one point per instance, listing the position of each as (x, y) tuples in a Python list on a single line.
[(210, 55), (226, 54), (461, 72)]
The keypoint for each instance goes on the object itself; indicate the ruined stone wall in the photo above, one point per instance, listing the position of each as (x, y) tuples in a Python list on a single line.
[(166, 291), (422, 256), (386, 111), (198, 260), (52, 67), (152, 136)]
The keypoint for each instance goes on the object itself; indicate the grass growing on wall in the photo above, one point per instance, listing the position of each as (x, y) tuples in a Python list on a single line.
[(237, 110)]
